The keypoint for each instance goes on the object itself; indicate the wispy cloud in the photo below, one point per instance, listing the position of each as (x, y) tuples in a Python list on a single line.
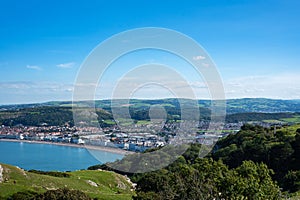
[(32, 92), (66, 65), (35, 67), (205, 64), (39, 86), (278, 86), (199, 57)]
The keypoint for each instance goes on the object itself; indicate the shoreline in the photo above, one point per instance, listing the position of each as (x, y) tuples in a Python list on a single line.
[(89, 147)]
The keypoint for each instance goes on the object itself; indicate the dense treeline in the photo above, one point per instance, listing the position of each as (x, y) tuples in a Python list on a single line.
[(48, 116), (52, 116), (256, 116), (208, 179), (58, 115), (279, 150), (252, 164), (191, 177), (141, 112)]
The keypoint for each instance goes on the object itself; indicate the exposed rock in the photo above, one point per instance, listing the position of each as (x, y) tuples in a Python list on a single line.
[(122, 186), (1, 174), (22, 171), (133, 185), (92, 183)]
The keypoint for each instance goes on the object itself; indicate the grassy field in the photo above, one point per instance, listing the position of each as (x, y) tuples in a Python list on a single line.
[(109, 184), (295, 119), (143, 122), (292, 120), (274, 121)]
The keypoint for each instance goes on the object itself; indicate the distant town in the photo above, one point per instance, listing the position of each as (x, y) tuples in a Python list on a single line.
[(137, 138)]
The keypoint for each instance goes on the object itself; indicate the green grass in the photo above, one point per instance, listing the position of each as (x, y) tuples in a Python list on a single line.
[(125, 122), (109, 122), (140, 105), (295, 119), (110, 184), (143, 122), (295, 196), (290, 129), (272, 121), (167, 105), (68, 105)]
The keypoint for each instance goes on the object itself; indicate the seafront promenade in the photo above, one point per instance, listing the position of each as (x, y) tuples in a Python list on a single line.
[(89, 147)]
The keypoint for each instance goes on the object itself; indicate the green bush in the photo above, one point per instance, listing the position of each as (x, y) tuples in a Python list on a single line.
[(56, 174), (59, 194)]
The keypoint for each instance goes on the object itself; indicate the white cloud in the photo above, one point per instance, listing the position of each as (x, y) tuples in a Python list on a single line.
[(278, 86), (35, 67), (152, 89), (275, 86), (66, 65), (33, 92), (199, 57), (205, 64), (39, 86)]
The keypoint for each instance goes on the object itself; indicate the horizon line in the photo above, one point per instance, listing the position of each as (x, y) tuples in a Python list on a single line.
[(149, 99)]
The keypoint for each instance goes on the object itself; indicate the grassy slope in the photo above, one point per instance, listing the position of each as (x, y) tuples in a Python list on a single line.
[(110, 184), (291, 129)]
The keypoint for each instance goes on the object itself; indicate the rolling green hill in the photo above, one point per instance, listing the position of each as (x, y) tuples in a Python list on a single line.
[(232, 105), (96, 184), (238, 110)]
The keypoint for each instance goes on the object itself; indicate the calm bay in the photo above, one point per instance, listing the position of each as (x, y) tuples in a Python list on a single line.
[(51, 157)]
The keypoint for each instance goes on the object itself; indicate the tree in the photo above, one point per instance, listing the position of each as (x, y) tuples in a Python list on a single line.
[(292, 181), (250, 181), (280, 160)]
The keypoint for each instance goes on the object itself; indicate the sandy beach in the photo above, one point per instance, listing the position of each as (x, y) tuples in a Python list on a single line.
[(91, 147)]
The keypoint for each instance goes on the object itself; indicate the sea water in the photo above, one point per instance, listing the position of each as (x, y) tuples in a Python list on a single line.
[(51, 157)]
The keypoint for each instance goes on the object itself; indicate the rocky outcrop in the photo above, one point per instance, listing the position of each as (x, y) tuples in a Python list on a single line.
[(92, 183), (1, 174)]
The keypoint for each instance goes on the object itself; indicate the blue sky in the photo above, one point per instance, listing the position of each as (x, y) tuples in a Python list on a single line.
[(255, 44)]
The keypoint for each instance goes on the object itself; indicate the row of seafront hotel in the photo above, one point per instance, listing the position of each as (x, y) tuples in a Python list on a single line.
[(86, 135), (132, 140), (138, 142)]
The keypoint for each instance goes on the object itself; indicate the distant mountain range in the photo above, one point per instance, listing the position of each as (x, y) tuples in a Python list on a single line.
[(244, 105)]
